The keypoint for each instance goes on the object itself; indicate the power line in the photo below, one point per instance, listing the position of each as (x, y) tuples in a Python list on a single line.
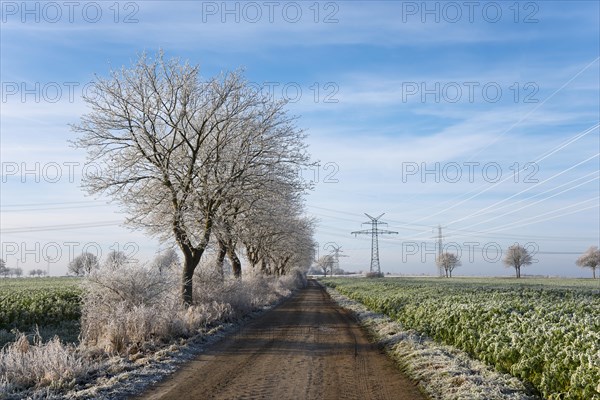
[(530, 204), (537, 106), (540, 158), (548, 191), (333, 231), (516, 236), (61, 227), (48, 204), (521, 223), (52, 208), (524, 190)]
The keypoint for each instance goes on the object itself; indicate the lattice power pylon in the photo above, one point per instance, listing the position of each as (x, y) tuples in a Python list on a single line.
[(440, 248), (336, 253), (374, 232)]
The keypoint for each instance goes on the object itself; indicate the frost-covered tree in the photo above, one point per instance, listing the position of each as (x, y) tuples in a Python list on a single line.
[(517, 256), (292, 248), (176, 150), (83, 264), (3, 268), (325, 263), (166, 260), (38, 272), (277, 238), (266, 187), (448, 262), (115, 259), (590, 259)]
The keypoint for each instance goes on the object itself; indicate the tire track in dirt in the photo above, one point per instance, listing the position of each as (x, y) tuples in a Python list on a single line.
[(306, 348)]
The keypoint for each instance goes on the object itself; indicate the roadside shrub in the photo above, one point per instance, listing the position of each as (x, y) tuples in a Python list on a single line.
[(126, 311), (123, 308), (210, 286), (24, 365), (294, 279)]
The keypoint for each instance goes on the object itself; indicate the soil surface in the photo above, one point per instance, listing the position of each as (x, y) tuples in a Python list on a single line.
[(306, 348)]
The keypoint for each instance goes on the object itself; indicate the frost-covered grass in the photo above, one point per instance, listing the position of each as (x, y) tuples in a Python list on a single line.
[(546, 335), (443, 372), (132, 319), (24, 365)]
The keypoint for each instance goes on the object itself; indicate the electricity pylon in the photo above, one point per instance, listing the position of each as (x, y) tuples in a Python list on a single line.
[(375, 232), (335, 252), (440, 247)]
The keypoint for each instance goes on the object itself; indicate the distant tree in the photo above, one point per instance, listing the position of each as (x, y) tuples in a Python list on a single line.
[(33, 272), (166, 260), (325, 263), (517, 256), (83, 264), (339, 271), (18, 272), (3, 269), (590, 259), (448, 261), (115, 259)]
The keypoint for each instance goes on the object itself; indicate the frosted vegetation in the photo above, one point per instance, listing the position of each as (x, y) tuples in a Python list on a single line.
[(547, 335), (130, 314), (208, 165)]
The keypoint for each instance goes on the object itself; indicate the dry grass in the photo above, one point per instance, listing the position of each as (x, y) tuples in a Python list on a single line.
[(128, 312), (24, 364)]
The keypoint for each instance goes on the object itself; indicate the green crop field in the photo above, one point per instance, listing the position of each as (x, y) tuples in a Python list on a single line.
[(544, 331), (45, 303)]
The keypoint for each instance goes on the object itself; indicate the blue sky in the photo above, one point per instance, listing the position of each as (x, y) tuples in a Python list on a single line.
[(427, 111)]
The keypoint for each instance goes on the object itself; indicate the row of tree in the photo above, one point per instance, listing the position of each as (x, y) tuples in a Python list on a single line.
[(200, 163), (517, 256), (17, 272)]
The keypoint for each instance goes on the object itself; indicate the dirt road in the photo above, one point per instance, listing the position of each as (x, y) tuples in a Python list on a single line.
[(307, 348)]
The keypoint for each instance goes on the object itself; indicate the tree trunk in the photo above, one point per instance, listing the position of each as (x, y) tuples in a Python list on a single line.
[(594, 272), (192, 257), (253, 256), (220, 258), (236, 264), (518, 270), (191, 260), (186, 278), (264, 267)]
